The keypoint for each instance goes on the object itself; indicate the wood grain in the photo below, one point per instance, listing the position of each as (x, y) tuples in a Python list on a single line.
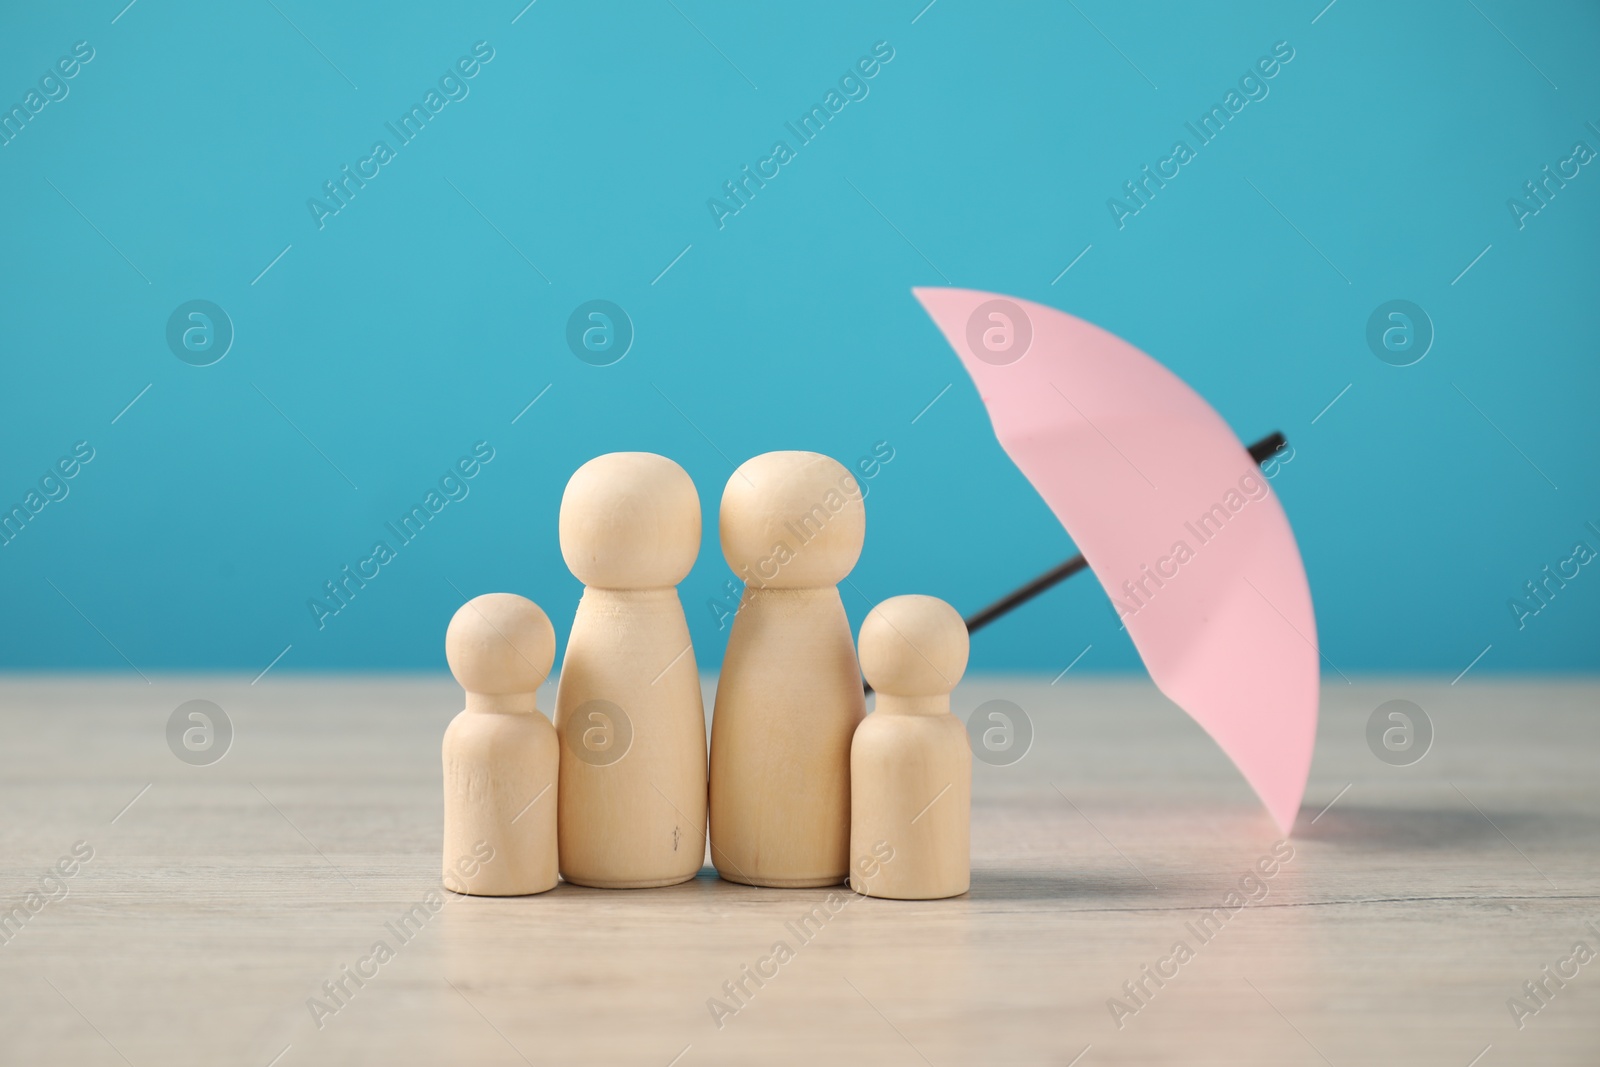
[(632, 790), (216, 905), (792, 525)]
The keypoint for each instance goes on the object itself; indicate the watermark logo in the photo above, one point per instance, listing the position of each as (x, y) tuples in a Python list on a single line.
[(340, 192), (739, 192), (52, 487), (1000, 732), (51, 887), (599, 332), (1540, 990), (1399, 332), (1536, 195), (339, 592), (805, 528), (1399, 733), (1252, 887), (740, 990), (999, 332), (459, 875), (1273, 465), (598, 732), (199, 732), (53, 88), (350, 979), (1540, 591), (200, 333), (1139, 591), (1141, 191)]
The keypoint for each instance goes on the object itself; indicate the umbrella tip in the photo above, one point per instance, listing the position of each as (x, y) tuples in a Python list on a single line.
[(1268, 446)]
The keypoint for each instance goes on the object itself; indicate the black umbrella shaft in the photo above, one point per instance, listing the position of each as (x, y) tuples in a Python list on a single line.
[(1051, 577)]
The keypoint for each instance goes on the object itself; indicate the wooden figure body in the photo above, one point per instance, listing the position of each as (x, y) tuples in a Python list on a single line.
[(789, 696), (628, 706), (500, 753), (910, 762)]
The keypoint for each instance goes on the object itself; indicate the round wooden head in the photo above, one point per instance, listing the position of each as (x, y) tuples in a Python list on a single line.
[(630, 520), (913, 646), (500, 643), (792, 520)]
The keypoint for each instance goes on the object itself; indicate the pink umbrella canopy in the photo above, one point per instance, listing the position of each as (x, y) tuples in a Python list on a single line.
[(1183, 532)]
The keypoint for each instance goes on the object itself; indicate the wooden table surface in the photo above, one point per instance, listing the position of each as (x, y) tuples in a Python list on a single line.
[(217, 904)]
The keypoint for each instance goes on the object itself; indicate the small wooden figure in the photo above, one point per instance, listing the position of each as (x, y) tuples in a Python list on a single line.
[(628, 709), (910, 762), (789, 696), (500, 753)]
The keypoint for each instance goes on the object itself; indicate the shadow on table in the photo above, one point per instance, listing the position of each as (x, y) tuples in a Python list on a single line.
[(1020, 884), (1411, 829)]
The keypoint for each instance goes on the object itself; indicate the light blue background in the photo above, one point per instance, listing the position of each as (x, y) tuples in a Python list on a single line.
[(408, 328)]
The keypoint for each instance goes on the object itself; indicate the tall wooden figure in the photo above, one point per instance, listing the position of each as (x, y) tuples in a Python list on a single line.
[(789, 696), (500, 753), (911, 763), (628, 707)]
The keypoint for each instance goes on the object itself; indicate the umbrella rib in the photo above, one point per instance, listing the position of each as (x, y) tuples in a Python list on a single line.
[(1103, 437), (1296, 630)]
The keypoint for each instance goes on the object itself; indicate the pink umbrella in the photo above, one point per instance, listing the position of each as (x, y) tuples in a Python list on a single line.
[(1184, 534)]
